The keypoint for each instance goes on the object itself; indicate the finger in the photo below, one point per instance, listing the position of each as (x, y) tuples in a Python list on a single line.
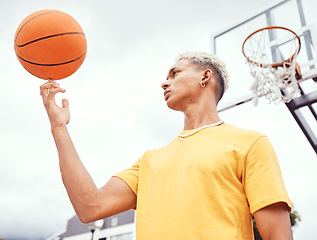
[(53, 92), (65, 103), (49, 84), (46, 87)]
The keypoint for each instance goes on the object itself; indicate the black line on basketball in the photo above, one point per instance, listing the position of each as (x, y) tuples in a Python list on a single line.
[(50, 36), (31, 20), (51, 64)]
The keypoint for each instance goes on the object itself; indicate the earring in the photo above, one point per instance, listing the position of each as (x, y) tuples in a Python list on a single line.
[(202, 84)]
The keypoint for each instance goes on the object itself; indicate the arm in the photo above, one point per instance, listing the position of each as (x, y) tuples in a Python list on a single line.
[(273, 222), (266, 193), (89, 202)]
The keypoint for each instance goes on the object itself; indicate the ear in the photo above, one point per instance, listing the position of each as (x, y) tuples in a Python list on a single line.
[(206, 76)]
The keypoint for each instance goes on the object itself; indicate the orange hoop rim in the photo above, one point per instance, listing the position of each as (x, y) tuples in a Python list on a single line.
[(278, 64)]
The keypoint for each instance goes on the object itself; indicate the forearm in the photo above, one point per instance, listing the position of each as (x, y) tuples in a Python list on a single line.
[(79, 185)]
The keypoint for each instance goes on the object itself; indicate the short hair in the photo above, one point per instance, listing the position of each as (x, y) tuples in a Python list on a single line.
[(207, 60)]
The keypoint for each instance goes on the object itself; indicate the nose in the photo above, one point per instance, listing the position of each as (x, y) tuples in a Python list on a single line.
[(165, 84)]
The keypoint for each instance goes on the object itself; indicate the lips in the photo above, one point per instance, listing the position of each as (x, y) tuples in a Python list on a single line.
[(166, 93)]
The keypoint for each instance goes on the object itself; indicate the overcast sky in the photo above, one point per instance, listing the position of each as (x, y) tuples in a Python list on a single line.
[(117, 106)]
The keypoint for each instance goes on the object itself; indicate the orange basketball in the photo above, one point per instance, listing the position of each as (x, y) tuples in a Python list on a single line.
[(50, 44)]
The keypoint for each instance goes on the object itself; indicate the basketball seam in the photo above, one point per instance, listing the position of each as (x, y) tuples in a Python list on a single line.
[(50, 36), (51, 64), (31, 20)]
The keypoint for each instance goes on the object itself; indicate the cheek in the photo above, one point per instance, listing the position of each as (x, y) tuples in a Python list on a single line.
[(187, 85), (190, 88)]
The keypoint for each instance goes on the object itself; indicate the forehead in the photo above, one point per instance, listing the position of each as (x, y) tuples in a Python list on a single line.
[(183, 63)]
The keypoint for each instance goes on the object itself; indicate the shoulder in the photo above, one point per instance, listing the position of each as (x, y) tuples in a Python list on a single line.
[(240, 131), (241, 140), (244, 135)]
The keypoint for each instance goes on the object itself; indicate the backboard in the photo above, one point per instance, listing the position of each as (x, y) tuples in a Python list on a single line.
[(300, 17), (297, 15)]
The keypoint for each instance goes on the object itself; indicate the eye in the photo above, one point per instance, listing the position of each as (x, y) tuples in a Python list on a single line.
[(175, 73)]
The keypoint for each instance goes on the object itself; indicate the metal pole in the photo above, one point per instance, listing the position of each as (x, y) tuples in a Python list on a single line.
[(92, 234)]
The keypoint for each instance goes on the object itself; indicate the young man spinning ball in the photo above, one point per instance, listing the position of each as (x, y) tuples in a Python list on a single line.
[(205, 184)]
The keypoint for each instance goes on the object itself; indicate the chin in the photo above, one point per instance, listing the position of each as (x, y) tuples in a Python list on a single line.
[(172, 106)]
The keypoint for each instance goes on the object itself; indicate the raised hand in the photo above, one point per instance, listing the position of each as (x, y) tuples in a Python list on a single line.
[(58, 116)]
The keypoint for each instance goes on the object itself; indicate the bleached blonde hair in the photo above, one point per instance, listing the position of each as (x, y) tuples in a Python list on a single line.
[(207, 60)]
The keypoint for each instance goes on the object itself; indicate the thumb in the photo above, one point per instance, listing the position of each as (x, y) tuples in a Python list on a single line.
[(65, 103)]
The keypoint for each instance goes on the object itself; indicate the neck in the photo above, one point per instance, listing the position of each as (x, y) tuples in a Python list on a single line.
[(200, 116)]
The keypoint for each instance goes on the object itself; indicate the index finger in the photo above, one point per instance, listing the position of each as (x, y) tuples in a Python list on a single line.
[(47, 87)]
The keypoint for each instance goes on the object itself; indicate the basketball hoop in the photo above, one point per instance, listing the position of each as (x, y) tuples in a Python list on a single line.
[(274, 78)]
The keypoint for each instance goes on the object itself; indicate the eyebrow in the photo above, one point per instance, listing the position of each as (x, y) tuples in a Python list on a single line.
[(170, 71)]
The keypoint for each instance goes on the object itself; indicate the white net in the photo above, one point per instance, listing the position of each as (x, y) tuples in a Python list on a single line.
[(275, 83)]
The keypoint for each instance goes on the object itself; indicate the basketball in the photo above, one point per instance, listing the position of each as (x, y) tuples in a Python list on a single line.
[(50, 44)]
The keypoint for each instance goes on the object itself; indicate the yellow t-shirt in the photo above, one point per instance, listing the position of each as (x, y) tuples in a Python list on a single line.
[(205, 186)]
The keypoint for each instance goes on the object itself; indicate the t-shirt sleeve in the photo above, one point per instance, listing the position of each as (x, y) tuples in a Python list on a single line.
[(131, 176), (263, 181)]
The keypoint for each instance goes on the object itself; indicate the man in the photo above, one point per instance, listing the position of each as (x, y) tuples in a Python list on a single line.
[(202, 185)]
